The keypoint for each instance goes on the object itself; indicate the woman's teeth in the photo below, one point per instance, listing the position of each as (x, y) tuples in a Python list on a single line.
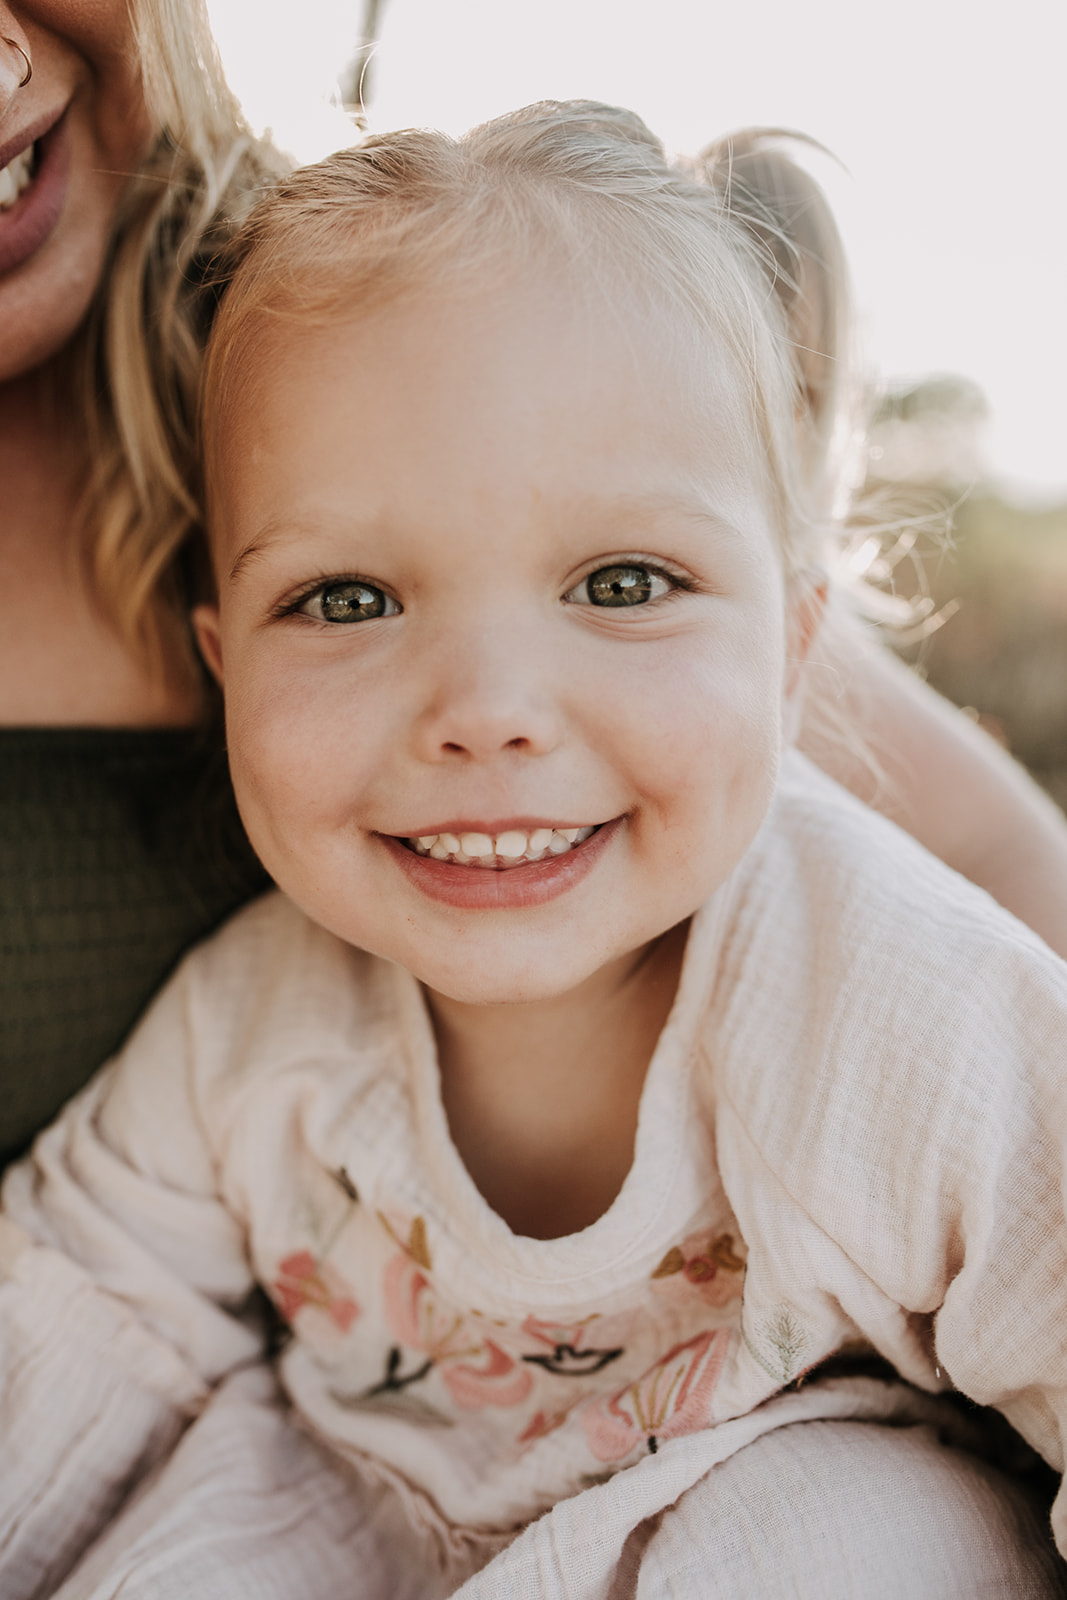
[(16, 176), (510, 849)]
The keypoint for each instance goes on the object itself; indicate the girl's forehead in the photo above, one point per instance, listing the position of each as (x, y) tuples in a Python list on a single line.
[(515, 337), (439, 404)]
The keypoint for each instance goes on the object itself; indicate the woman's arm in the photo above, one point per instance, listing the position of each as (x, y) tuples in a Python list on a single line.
[(916, 758)]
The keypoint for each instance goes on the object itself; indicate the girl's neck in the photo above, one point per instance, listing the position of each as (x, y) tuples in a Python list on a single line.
[(542, 1098), (61, 661)]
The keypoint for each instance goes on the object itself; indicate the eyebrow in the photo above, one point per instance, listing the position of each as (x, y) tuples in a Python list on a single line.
[(276, 531)]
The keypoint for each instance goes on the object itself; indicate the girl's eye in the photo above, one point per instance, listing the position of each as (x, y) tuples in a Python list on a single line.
[(624, 585), (348, 601)]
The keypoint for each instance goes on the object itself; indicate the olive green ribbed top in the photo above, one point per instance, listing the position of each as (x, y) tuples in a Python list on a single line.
[(118, 849)]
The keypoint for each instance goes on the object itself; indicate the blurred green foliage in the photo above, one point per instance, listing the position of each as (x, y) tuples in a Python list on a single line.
[(994, 573)]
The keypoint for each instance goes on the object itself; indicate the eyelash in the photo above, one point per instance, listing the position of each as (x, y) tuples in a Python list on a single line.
[(291, 607), (676, 582)]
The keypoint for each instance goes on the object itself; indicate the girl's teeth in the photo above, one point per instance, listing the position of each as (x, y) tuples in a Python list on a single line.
[(15, 177), (510, 847)]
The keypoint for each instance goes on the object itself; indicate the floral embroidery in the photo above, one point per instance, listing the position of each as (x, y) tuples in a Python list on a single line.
[(304, 1282), (476, 1370), (562, 1347), (545, 1422), (781, 1344), (705, 1264), (669, 1399), (411, 1237)]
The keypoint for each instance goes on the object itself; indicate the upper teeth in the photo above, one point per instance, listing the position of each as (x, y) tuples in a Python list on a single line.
[(16, 176), (500, 849)]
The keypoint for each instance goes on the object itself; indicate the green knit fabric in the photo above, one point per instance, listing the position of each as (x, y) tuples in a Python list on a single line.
[(118, 849)]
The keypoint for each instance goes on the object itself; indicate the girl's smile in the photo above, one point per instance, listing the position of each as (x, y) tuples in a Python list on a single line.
[(502, 623), (527, 866)]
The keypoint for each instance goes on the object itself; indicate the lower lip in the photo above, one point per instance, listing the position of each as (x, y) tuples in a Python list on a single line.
[(28, 223), (506, 889)]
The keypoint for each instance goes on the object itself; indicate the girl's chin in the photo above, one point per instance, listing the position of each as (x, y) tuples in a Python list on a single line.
[(526, 985)]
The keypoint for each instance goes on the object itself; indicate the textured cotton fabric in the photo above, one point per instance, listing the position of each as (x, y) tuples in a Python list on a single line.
[(851, 1135)]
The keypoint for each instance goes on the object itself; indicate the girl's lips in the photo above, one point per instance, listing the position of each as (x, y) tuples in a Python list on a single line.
[(27, 224), (480, 889)]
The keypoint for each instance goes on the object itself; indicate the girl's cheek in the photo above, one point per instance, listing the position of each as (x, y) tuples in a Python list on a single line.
[(301, 740)]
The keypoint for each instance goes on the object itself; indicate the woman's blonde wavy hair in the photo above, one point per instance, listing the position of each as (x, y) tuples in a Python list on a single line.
[(740, 239), (136, 362)]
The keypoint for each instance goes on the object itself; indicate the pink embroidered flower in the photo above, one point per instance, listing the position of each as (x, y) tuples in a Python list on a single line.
[(477, 1371), (705, 1265), (545, 1422), (302, 1281), (671, 1398)]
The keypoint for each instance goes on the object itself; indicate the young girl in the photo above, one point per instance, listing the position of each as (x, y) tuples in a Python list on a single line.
[(599, 1074)]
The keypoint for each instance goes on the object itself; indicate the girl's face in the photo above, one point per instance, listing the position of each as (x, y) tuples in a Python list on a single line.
[(498, 566), (69, 140)]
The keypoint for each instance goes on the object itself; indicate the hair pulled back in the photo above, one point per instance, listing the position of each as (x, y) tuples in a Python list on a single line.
[(739, 238)]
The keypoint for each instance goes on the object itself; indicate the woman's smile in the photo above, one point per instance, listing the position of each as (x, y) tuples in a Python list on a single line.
[(34, 173)]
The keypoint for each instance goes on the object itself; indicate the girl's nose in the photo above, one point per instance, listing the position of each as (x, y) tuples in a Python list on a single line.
[(489, 697)]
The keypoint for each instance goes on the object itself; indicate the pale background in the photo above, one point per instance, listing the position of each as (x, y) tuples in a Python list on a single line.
[(947, 115)]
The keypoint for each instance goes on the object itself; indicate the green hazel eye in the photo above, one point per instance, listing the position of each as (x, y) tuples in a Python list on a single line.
[(623, 586), (350, 602)]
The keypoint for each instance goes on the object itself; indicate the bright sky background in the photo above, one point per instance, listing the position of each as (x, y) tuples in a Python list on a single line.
[(948, 115)]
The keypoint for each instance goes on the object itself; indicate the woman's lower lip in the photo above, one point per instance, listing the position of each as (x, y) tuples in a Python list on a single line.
[(480, 889), (26, 225)]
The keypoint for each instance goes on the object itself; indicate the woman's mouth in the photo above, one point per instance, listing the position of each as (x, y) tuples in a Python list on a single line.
[(514, 847), (17, 176), (33, 189)]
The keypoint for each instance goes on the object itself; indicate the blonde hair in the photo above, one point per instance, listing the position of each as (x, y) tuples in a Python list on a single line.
[(136, 362), (740, 238)]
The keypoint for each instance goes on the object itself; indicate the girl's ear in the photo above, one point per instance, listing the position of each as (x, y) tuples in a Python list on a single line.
[(805, 607), (208, 637)]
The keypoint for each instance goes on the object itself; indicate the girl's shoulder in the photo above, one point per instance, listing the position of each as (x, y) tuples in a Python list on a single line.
[(869, 1001), (269, 992), (864, 883), (888, 1049)]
